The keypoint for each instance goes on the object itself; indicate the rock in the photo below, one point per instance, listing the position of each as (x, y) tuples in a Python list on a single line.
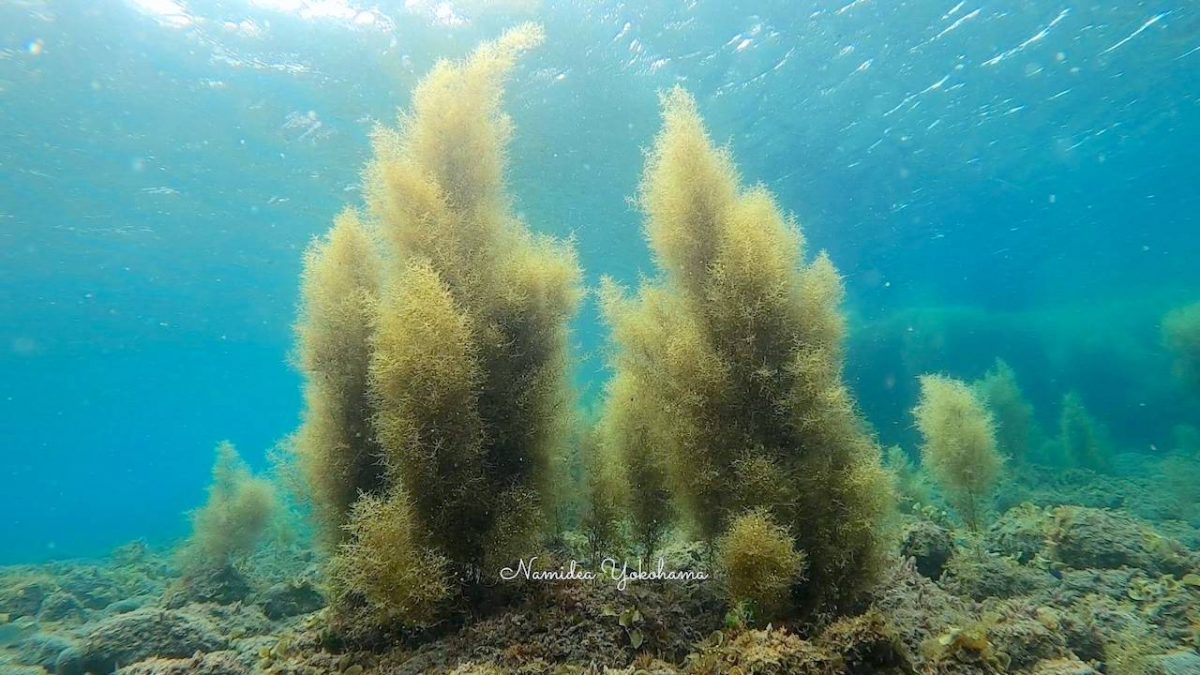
[(290, 599), (1020, 533), (59, 606), (770, 652), (138, 635), (126, 605), (221, 585), (865, 644), (16, 630), (1068, 666), (1086, 538), (919, 611), (130, 554), (930, 545), (1174, 663), (214, 663), (42, 649), (1025, 634), (69, 661), (8, 667), (22, 596), (990, 576)]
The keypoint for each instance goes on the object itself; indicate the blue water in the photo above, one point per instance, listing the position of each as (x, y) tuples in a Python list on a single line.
[(1013, 180)]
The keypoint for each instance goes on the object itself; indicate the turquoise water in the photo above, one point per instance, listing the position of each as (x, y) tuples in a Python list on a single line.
[(1014, 181)]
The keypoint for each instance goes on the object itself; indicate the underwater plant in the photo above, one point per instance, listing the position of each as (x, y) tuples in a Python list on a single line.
[(959, 447), (1012, 412), (336, 442), (230, 525), (626, 437), (730, 365), (390, 564), (438, 394), (604, 498), (1082, 441), (912, 487), (760, 564), (1181, 334)]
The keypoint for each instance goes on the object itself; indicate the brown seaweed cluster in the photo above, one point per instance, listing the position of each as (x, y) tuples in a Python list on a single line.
[(433, 337), (728, 401)]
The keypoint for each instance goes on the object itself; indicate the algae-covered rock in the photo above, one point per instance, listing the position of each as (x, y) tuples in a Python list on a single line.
[(1086, 538), (15, 630), (929, 545), (1066, 666), (60, 606), (990, 576), (138, 635), (10, 667), (221, 585), (769, 652), (1019, 533), (97, 586), (1024, 633), (866, 644), (290, 599), (127, 605), (214, 663), (1107, 630), (919, 611), (1178, 662), (23, 595), (42, 649)]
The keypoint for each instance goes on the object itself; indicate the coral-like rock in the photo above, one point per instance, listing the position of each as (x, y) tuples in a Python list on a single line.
[(1024, 633), (222, 585), (919, 611), (929, 545), (1067, 666), (1174, 663), (59, 606), (769, 652), (1019, 533), (214, 663), (42, 649), (23, 595), (138, 635), (866, 644), (1093, 538), (291, 598), (989, 576)]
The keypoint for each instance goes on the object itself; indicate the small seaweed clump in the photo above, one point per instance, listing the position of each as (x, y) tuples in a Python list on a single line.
[(1083, 442), (338, 449), (1181, 334), (760, 564), (1012, 412), (239, 510), (728, 392), (959, 446), (433, 337)]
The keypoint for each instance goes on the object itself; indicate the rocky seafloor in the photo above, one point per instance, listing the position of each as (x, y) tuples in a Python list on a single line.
[(1077, 573)]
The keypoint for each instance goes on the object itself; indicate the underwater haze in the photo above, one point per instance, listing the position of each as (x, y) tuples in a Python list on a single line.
[(1018, 179), (1009, 191)]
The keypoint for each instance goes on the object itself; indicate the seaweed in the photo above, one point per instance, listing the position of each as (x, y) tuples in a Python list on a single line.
[(727, 387)]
